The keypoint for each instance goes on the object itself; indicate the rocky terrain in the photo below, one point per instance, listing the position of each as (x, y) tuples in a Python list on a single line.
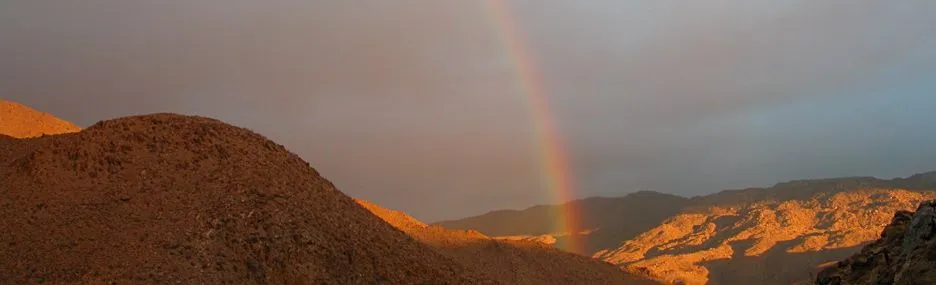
[(769, 242), (904, 254), (514, 262), (20, 121), (175, 199), (170, 199), (777, 235), (166, 198)]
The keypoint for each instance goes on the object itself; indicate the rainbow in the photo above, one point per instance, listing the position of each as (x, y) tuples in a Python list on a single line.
[(549, 144)]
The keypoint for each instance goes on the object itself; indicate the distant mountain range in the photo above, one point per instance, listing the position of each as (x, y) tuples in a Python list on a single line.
[(610, 219), (776, 235)]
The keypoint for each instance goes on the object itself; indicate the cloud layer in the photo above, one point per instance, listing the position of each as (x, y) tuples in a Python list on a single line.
[(415, 104)]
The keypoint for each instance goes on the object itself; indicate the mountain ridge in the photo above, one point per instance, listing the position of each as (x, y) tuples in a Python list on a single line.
[(630, 215), (512, 261), (929, 176), (705, 238)]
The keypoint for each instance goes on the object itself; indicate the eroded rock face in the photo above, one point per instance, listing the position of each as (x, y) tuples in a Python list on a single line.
[(905, 253)]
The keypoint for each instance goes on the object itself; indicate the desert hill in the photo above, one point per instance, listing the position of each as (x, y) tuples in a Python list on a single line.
[(174, 199), (514, 262), (904, 254), (775, 235), (20, 121)]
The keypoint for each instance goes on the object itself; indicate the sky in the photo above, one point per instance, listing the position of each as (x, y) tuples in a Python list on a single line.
[(415, 105)]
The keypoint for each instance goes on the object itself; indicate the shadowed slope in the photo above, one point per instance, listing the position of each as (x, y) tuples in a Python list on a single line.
[(904, 254), (513, 262), (20, 121), (608, 221), (174, 199)]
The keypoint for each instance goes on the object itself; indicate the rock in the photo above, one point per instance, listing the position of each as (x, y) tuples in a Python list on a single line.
[(921, 228), (904, 255)]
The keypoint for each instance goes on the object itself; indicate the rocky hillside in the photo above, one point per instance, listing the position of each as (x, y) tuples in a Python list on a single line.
[(168, 199), (20, 121), (776, 235), (765, 242), (904, 254), (513, 262)]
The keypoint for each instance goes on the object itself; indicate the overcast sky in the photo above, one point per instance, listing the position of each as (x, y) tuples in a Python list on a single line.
[(414, 104)]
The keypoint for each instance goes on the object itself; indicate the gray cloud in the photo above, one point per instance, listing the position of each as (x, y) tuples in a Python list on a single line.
[(415, 104)]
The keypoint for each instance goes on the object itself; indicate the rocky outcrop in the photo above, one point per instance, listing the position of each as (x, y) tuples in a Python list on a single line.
[(905, 254)]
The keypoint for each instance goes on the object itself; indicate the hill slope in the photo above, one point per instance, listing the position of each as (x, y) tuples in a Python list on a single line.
[(905, 253), (513, 262), (20, 121), (174, 199)]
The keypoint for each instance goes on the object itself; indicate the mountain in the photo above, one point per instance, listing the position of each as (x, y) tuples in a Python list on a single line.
[(776, 235), (175, 199), (904, 254), (607, 221), (20, 121), (513, 262), (765, 242)]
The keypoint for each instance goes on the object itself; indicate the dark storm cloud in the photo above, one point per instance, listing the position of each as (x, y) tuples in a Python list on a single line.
[(416, 105)]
